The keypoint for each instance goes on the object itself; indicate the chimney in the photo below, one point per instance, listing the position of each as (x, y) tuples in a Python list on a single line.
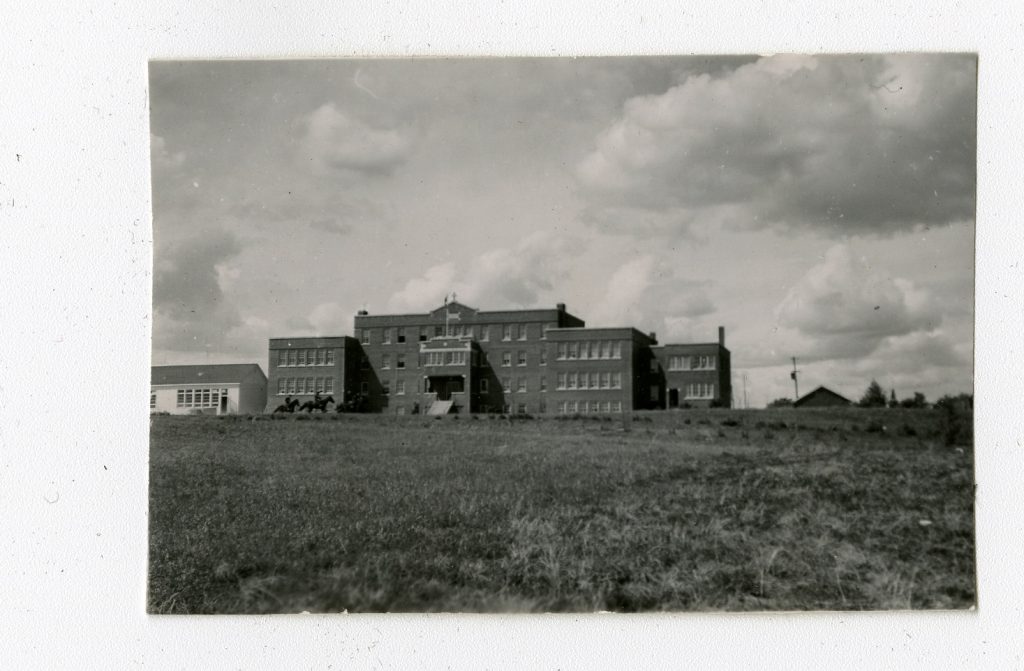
[(560, 307), (654, 337), (721, 336), (362, 313)]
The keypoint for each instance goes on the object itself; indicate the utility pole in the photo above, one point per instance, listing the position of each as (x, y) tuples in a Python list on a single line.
[(796, 384), (745, 406)]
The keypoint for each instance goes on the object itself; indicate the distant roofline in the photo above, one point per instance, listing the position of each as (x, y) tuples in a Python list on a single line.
[(554, 310), (319, 337)]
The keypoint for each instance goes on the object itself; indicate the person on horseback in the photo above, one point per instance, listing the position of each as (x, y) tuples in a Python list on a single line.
[(316, 398)]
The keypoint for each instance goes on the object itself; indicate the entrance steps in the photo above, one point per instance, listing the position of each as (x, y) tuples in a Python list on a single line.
[(440, 407)]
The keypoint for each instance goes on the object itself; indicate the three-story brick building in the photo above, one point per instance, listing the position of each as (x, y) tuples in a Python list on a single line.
[(460, 359)]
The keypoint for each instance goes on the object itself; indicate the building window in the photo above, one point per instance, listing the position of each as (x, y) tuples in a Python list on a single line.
[(302, 357), (506, 332), (560, 407), (364, 387), (544, 334), (387, 337), (152, 400), (616, 350), (522, 331), (543, 383), (483, 386), (570, 380), (385, 361), (543, 356), (400, 361), (654, 365), (605, 380), (330, 357), (364, 363), (282, 357), (423, 333), (385, 387), (282, 386), (616, 380), (560, 382), (700, 390), (366, 336), (291, 385), (574, 350), (506, 384), (426, 384), (401, 334), (438, 331), (521, 385), (292, 357), (328, 385), (521, 358), (506, 359), (485, 333), (616, 406), (521, 408), (201, 397)]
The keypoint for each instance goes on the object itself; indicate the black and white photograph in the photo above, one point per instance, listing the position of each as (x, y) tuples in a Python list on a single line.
[(532, 335)]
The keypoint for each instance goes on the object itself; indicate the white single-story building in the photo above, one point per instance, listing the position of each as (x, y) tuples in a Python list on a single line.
[(208, 390)]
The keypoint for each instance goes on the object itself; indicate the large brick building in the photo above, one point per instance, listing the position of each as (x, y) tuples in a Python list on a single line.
[(459, 359)]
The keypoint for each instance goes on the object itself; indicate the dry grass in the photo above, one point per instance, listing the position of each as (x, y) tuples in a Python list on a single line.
[(695, 510)]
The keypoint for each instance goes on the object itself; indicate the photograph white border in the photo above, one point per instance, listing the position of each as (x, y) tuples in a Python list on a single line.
[(76, 259)]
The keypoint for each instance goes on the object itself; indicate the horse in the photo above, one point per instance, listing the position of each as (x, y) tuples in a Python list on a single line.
[(320, 405), (287, 406)]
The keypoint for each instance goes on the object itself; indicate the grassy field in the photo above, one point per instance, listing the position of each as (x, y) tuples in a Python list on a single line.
[(692, 510)]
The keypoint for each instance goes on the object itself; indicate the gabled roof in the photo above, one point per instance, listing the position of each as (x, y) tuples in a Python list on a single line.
[(822, 391), (212, 374), (453, 308)]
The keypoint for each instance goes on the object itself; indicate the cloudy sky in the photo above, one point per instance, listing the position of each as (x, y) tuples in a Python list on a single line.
[(817, 207)]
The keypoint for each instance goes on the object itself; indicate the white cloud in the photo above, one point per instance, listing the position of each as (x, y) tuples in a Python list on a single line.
[(330, 319), (518, 277), (841, 307), (649, 293), (830, 142), (162, 157), (334, 139), (424, 293)]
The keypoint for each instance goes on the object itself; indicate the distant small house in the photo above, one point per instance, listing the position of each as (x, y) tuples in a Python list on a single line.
[(820, 398), (209, 390)]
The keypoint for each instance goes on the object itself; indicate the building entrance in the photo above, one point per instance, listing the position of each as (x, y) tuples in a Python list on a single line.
[(446, 385)]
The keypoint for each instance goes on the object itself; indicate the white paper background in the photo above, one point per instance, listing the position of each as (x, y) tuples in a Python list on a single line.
[(75, 274)]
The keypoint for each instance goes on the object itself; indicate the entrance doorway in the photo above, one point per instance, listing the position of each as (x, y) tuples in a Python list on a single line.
[(446, 385), (673, 398)]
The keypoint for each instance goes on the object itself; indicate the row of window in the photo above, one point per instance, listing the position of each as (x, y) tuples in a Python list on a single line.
[(305, 357), (454, 358), (196, 397), (506, 358), (305, 385), (482, 332), (588, 407), (590, 349), (700, 390), (592, 380), (692, 362)]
